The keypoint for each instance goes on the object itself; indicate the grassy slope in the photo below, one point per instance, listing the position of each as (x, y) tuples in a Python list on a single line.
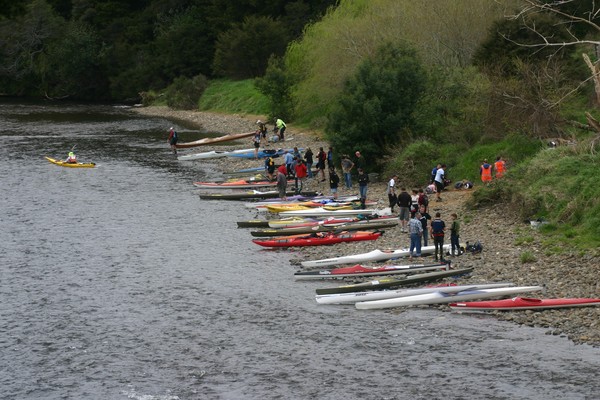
[(234, 97)]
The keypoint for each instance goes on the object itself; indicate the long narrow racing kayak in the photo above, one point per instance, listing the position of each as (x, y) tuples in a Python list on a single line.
[(360, 270), (355, 297), (71, 165), (442, 298), (387, 283), (352, 226), (323, 212), (253, 194), (318, 239), (523, 303), (219, 139), (203, 156), (375, 255), (241, 184)]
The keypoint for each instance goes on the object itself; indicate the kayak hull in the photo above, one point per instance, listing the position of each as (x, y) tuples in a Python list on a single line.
[(219, 139), (387, 283), (523, 303), (326, 228), (314, 240), (355, 297), (360, 271), (375, 255), (442, 298), (71, 165)]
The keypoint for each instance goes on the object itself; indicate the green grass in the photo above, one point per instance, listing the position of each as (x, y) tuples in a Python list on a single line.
[(527, 257), (234, 97)]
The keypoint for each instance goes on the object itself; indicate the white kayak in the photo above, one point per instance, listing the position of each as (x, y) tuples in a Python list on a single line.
[(322, 212), (362, 271), (202, 156), (442, 298), (375, 255), (355, 297)]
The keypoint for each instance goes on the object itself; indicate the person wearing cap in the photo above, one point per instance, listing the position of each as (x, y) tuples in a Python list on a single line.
[(72, 158), (279, 128), (172, 140)]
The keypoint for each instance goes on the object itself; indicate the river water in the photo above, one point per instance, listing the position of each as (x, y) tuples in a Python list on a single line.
[(120, 283)]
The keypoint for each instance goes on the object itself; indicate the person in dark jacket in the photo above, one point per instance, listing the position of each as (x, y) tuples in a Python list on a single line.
[(334, 181)]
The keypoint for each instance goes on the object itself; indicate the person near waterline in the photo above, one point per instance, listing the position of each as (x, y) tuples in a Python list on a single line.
[(347, 166), (71, 158), (262, 128), (455, 235), (391, 192), (256, 141), (279, 128), (415, 230), (172, 140), (437, 232), (486, 172), (270, 167), (404, 202), (363, 184)]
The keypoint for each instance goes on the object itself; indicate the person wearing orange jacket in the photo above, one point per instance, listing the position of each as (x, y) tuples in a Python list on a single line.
[(499, 167), (486, 172)]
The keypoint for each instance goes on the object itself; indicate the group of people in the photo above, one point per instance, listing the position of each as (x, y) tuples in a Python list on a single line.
[(488, 171), (419, 233)]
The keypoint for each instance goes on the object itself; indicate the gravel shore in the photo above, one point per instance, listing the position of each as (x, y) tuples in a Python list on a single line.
[(503, 236)]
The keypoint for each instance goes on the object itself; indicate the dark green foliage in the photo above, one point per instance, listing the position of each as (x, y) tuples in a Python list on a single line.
[(184, 93), (253, 41), (276, 87), (376, 107)]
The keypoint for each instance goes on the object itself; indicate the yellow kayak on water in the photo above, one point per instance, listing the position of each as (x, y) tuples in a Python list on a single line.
[(71, 165)]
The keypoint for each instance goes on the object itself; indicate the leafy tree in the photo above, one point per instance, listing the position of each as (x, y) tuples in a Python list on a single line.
[(276, 87), (375, 110), (253, 41), (184, 93)]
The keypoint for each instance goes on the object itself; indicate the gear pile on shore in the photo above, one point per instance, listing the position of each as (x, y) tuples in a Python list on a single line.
[(504, 238)]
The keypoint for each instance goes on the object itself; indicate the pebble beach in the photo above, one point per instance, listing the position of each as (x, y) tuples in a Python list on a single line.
[(504, 237)]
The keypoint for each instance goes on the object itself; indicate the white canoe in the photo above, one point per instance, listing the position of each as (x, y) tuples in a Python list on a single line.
[(442, 298), (203, 156), (355, 297), (375, 255), (321, 212)]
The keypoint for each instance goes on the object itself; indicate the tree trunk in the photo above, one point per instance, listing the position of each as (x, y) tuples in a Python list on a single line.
[(595, 76)]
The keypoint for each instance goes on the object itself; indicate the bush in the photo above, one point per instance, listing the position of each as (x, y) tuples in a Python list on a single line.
[(184, 93)]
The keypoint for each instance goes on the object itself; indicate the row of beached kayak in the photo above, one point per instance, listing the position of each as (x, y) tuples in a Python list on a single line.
[(312, 220)]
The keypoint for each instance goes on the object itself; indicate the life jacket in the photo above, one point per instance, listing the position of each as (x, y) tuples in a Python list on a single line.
[(437, 228), (72, 159), (486, 172), (500, 168)]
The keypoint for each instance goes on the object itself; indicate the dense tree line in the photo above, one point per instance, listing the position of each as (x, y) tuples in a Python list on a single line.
[(114, 49)]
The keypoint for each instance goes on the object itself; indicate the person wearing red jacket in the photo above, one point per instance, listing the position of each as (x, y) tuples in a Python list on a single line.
[(301, 172)]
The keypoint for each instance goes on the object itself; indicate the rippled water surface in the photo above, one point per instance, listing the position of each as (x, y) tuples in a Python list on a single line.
[(119, 283)]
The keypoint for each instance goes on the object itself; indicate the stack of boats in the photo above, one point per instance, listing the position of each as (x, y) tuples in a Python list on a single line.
[(309, 219)]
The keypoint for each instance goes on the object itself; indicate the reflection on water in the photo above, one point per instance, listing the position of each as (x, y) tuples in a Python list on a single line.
[(118, 282)]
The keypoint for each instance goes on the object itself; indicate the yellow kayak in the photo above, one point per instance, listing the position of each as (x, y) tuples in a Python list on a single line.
[(71, 165), (275, 208)]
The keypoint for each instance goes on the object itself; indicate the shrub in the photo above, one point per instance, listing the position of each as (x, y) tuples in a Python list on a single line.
[(184, 93)]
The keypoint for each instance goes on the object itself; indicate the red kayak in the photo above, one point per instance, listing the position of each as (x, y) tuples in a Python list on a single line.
[(523, 303), (318, 239), (241, 184)]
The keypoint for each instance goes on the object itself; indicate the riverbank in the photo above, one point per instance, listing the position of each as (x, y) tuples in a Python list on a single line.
[(503, 236)]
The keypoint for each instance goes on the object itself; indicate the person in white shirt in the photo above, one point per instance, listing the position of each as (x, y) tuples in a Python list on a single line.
[(439, 182), (391, 192)]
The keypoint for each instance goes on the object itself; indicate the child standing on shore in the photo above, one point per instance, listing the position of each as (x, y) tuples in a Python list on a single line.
[(455, 235)]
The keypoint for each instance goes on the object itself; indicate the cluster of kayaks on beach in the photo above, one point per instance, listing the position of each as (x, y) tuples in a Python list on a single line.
[(312, 220)]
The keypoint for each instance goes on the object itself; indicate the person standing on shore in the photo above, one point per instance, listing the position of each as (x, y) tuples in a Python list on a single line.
[(280, 128), (256, 141), (262, 129), (360, 161), (424, 218), (455, 235), (300, 174), (391, 192), (270, 167), (308, 158), (437, 232), (404, 202), (439, 182), (334, 181), (347, 166), (415, 230), (321, 157), (363, 182), (172, 140), (282, 182)]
